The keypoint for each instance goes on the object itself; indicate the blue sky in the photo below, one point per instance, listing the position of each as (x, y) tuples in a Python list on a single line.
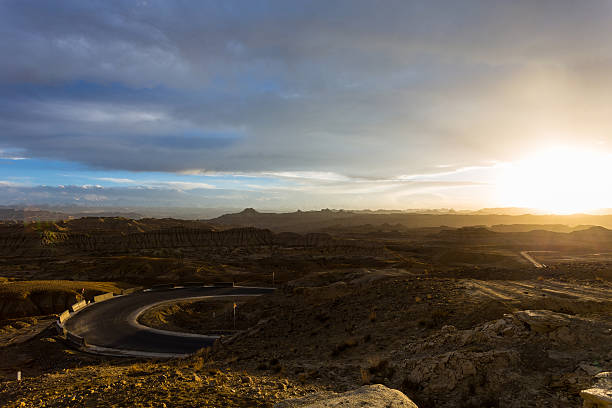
[(284, 105)]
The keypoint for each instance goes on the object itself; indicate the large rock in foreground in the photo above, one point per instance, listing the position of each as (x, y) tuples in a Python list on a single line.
[(599, 396), (372, 396)]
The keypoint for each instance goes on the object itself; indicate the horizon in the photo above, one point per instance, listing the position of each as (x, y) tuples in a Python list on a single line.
[(284, 106), (77, 210)]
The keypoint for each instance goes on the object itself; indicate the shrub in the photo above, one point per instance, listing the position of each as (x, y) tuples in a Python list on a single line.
[(377, 371), (366, 377), (346, 344)]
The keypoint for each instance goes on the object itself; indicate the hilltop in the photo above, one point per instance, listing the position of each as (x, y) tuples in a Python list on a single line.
[(310, 221)]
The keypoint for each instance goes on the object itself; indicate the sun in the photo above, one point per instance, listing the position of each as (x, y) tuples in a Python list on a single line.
[(558, 180)]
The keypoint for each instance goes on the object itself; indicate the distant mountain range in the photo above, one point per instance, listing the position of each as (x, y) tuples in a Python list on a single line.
[(56, 213), (326, 220), (310, 221), (27, 215)]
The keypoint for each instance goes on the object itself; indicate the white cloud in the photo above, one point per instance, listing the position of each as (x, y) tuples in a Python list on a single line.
[(8, 155), (97, 112), (183, 185), (115, 180), (4, 183), (442, 174), (308, 175)]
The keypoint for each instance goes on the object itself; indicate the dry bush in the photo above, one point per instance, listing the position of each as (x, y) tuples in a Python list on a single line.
[(377, 371), (366, 377), (273, 365), (346, 344), (200, 358)]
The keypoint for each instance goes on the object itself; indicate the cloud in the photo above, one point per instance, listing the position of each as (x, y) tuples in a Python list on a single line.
[(341, 91), (8, 155), (183, 185), (116, 180), (308, 175), (309, 194), (453, 170), (4, 183)]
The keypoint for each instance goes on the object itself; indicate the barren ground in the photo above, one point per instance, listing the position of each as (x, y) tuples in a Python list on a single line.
[(453, 318)]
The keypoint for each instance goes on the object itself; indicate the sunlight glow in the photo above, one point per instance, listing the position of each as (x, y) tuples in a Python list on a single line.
[(560, 180)]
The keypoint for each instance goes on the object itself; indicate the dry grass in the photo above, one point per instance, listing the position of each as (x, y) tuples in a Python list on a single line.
[(344, 345)]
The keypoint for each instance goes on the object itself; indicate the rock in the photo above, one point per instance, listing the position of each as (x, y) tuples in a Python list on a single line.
[(589, 369), (543, 321), (564, 335), (456, 372), (600, 395), (372, 396), (448, 329), (18, 240)]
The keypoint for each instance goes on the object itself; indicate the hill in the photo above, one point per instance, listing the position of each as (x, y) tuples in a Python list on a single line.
[(310, 221)]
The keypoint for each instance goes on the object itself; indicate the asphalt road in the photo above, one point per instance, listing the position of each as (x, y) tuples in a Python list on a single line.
[(112, 323)]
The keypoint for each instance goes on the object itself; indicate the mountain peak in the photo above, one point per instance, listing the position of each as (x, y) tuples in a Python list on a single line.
[(249, 211)]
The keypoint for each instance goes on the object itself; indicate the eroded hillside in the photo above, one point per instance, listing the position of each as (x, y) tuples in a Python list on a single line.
[(102, 235)]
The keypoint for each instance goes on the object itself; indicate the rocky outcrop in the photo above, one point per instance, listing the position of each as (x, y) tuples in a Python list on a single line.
[(372, 396), (169, 238), (37, 303), (474, 376), (17, 240), (600, 395), (527, 350), (543, 321)]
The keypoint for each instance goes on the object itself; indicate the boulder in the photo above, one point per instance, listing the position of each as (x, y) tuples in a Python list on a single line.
[(600, 395), (455, 371), (543, 321), (372, 396)]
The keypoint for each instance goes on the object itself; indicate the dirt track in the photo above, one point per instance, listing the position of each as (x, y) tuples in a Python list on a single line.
[(528, 257), (575, 298)]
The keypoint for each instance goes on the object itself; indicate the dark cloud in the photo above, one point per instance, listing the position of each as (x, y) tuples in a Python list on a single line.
[(352, 87)]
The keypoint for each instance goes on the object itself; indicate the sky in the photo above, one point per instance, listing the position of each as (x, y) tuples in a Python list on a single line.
[(305, 104)]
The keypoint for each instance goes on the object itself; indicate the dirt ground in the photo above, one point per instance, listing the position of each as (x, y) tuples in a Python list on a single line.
[(208, 316), (449, 317), (444, 342)]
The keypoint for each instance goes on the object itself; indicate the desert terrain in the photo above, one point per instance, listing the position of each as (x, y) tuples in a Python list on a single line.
[(452, 311)]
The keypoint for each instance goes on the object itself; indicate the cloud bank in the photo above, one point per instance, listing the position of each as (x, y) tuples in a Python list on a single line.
[(351, 88)]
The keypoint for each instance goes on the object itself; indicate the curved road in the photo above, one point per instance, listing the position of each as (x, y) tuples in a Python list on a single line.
[(112, 324)]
